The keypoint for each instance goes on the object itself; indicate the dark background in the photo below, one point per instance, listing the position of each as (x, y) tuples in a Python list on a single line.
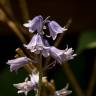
[(81, 35)]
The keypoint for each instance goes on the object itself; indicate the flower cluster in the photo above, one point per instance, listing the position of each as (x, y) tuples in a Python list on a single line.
[(39, 45)]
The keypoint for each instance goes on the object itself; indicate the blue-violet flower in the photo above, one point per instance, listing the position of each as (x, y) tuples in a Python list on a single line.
[(55, 28), (36, 45), (36, 24), (28, 85), (17, 63), (61, 56)]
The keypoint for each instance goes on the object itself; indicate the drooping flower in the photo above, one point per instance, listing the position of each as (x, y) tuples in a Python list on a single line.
[(24, 87), (56, 54), (28, 85), (55, 28), (36, 24), (61, 56), (63, 92), (17, 63), (36, 44)]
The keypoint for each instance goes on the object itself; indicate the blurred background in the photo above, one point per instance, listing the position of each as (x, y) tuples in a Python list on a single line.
[(80, 73)]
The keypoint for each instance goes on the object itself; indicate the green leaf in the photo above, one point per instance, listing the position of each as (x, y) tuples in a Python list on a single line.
[(87, 40)]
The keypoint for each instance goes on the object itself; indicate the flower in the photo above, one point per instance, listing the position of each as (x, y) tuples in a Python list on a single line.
[(17, 63), (61, 56), (63, 92), (28, 85), (35, 24), (35, 79), (36, 44), (24, 87), (56, 54), (55, 28)]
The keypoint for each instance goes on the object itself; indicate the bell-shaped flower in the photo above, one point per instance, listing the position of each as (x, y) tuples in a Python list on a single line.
[(28, 85), (24, 87), (56, 54), (17, 63), (61, 56), (36, 44), (63, 92), (36, 24), (55, 28)]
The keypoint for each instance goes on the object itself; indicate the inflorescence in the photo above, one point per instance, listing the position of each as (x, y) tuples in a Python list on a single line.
[(39, 45)]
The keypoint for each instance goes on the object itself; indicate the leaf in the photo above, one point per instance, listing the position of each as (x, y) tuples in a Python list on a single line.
[(87, 40)]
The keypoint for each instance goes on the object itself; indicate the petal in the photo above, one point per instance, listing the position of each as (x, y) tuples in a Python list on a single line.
[(15, 67), (55, 53), (54, 29), (36, 24), (17, 63), (69, 54), (32, 43), (24, 87), (36, 44), (18, 60), (34, 78)]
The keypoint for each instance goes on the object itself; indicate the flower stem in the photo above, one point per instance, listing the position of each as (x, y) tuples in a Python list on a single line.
[(40, 75)]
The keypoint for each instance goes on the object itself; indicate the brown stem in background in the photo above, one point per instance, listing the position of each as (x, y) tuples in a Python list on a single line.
[(12, 25), (40, 75), (92, 81), (24, 9), (72, 80), (59, 39), (7, 6)]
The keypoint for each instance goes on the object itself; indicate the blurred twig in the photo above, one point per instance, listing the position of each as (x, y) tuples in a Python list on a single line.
[(4, 18), (24, 9), (72, 80), (92, 81), (7, 6), (59, 39)]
